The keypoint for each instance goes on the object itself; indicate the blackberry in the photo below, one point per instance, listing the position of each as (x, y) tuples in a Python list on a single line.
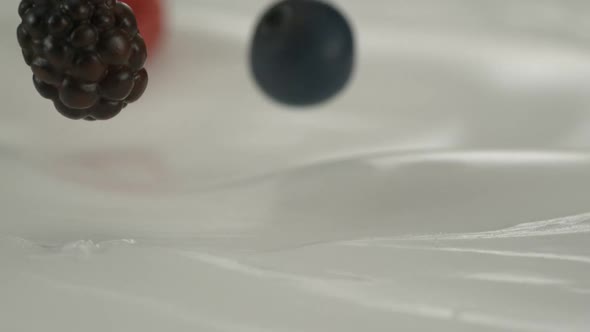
[(302, 52), (87, 56)]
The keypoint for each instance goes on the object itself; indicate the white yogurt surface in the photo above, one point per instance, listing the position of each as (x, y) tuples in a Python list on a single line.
[(446, 190)]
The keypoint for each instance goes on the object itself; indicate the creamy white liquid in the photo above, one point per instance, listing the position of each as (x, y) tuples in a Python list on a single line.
[(446, 190)]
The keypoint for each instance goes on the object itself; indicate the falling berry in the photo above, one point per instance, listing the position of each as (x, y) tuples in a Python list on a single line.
[(87, 56), (302, 52), (150, 19)]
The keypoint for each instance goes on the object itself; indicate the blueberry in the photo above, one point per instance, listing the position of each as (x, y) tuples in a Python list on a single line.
[(302, 52)]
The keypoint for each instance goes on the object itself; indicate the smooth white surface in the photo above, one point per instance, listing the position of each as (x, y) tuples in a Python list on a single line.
[(446, 190)]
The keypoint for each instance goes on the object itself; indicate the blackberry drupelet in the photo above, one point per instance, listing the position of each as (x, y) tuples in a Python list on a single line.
[(302, 52), (87, 56)]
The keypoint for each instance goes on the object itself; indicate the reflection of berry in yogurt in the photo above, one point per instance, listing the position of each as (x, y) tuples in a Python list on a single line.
[(128, 171), (149, 15)]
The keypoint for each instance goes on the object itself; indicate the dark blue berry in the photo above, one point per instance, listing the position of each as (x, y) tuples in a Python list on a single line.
[(302, 52)]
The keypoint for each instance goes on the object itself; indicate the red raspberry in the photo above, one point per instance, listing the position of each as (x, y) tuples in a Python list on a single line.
[(150, 18)]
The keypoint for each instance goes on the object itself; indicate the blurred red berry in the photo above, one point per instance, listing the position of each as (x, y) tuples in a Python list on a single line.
[(150, 19)]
